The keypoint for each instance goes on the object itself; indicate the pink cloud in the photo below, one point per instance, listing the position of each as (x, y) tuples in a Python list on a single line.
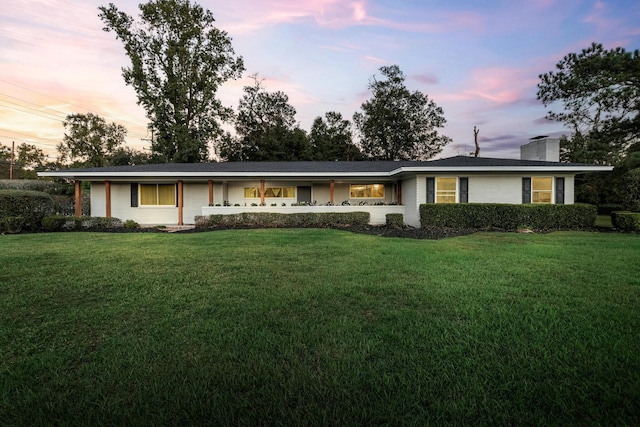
[(249, 16), (502, 85), (425, 78)]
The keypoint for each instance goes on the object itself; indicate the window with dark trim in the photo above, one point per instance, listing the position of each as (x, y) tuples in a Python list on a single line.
[(542, 190), (157, 194), (447, 190), (539, 190)]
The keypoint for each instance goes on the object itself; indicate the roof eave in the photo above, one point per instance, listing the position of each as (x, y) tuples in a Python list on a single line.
[(382, 174)]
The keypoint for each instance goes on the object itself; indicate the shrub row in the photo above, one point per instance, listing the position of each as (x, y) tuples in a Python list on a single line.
[(49, 187), (508, 217), (65, 223), (32, 206), (626, 221), (270, 219), (11, 224)]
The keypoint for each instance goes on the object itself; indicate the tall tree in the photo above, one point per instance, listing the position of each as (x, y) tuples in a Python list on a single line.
[(266, 129), (29, 160), (331, 138), (124, 156), (598, 92), (90, 140), (397, 124), (179, 59), (5, 161)]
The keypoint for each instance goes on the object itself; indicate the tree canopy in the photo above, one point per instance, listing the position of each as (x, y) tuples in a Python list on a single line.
[(331, 138), (179, 59), (90, 140), (397, 124), (266, 129), (28, 159), (596, 94)]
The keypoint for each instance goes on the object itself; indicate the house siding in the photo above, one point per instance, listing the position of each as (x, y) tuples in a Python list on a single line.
[(494, 188), (411, 200)]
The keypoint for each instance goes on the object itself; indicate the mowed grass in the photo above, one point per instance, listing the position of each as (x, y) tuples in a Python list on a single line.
[(319, 327)]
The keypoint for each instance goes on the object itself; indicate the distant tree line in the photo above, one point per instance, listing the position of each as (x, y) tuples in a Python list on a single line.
[(596, 94), (179, 59)]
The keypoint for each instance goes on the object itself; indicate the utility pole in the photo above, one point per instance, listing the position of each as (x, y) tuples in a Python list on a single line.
[(13, 151)]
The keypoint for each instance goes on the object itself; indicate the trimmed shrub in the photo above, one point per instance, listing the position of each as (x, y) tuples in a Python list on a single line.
[(274, 220), (394, 220), (31, 205), (100, 222), (507, 216), (54, 223), (626, 221), (131, 224), (67, 223), (11, 224), (631, 190)]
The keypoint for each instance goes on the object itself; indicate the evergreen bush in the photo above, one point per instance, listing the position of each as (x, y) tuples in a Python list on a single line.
[(626, 221), (508, 217), (32, 206), (11, 224), (54, 222), (270, 219), (394, 220)]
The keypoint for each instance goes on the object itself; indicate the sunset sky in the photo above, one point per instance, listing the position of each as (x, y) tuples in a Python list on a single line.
[(478, 60)]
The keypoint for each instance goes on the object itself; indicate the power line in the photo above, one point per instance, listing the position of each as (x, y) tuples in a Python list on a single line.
[(30, 137), (57, 116), (64, 102)]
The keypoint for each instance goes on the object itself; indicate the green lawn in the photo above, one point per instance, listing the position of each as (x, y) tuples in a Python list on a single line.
[(319, 327)]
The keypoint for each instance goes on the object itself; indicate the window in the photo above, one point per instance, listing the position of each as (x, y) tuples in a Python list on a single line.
[(157, 194), (446, 190), (288, 192), (541, 190), (366, 191), (251, 193), (270, 192)]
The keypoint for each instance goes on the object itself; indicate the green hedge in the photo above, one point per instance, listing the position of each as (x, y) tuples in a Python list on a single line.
[(11, 224), (270, 219), (49, 187), (65, 223), (626, 221), (508, 217), (30, 205)]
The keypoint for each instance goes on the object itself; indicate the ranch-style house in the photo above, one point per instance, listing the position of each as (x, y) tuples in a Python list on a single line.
[(174, 194)]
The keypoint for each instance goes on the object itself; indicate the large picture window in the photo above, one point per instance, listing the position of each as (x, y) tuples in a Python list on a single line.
[(270, 192), (366, 191), (541, 190), (157, 194)]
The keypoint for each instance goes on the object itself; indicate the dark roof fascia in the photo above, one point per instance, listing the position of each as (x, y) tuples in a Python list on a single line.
[(460, 164)]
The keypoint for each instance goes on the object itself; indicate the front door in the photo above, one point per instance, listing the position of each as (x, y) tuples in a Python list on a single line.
[(304, 194)]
